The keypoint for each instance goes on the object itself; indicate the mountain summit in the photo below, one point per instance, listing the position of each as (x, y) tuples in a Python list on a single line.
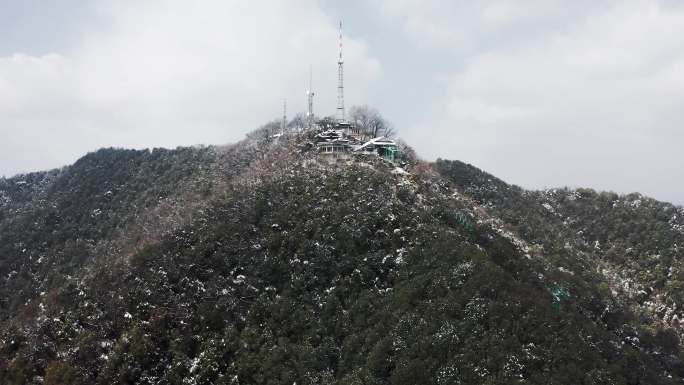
[(276, 261)]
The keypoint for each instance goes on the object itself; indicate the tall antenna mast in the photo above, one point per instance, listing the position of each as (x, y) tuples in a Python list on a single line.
[(284, 122), (309, 99), (340, 82)]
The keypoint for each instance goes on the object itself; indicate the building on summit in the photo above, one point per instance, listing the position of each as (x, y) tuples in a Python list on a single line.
[(343, 138), (338, 137)]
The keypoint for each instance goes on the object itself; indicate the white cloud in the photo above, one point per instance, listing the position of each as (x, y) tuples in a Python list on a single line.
[(167, 73), (539, 92), (465, 26), (594, 100)]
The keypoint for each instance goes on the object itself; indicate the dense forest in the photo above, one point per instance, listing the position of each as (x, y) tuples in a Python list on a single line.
[(261, 263)]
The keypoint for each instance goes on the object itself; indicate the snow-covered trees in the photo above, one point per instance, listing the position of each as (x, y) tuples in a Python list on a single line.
[(370, 123), (258, 264)]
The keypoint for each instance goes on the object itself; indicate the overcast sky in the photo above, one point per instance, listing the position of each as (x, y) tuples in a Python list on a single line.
[(540, 93)]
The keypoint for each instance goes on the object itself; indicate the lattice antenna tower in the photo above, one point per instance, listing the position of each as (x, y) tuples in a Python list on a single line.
[(283, 124), (309, 101), (340, 81)]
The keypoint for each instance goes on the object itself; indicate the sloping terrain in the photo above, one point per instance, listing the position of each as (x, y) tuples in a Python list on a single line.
[(260, 263), (631, 240)]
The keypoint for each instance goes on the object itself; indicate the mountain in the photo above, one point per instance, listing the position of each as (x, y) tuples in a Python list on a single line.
[(263, 263)]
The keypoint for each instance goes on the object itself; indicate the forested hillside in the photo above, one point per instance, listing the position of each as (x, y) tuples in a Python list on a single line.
[(260, 263), (633, 241)]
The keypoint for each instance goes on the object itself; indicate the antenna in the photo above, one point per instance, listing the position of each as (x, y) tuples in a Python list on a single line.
[(340, 81), (309, 99), (284, 122)]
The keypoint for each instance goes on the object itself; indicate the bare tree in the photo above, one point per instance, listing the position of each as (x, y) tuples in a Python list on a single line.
[(298, 122), (369, 122), (265, 131)]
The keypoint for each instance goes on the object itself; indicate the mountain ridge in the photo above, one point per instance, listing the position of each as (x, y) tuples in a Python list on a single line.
[(260, 263)]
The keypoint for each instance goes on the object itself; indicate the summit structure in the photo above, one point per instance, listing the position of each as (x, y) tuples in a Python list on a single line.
[(309, 102), (338, 138), (340, 115), (342, 138)]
